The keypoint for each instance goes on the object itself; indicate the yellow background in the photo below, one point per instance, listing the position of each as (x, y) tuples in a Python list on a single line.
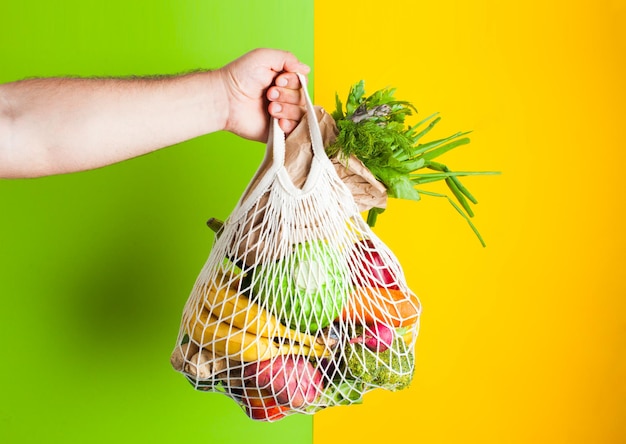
[(522, 341)]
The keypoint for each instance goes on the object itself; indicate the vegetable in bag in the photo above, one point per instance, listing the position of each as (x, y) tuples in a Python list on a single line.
[(307, 287), (299, 306)]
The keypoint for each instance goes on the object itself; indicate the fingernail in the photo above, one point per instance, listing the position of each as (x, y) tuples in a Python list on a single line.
[(274, 94), (277, 108), (281, 81)]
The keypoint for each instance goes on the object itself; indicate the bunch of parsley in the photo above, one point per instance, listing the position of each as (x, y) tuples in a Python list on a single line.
[(373, 129)]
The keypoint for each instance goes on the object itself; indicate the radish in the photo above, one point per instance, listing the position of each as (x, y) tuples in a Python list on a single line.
[(377, 337), (371, 269)]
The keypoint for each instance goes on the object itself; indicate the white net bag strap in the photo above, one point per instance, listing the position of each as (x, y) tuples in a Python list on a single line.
[(276, 157)]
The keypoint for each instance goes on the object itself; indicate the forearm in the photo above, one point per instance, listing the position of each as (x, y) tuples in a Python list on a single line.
[(51, 126)]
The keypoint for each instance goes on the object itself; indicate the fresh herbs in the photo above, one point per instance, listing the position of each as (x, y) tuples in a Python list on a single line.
[(373, 129)]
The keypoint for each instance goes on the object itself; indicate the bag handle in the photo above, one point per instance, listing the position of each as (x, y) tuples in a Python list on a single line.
[(315, 133), (276, 146)]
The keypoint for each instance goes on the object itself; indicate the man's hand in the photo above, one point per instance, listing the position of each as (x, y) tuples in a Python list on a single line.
[(262, 81)]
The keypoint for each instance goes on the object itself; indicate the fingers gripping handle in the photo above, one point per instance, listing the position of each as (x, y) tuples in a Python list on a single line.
[(278, 135)]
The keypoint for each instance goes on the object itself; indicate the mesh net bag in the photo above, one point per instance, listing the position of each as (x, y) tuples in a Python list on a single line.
[(299, 306)]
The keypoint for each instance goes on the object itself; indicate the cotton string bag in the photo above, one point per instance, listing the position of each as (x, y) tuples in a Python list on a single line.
[(299, 306)]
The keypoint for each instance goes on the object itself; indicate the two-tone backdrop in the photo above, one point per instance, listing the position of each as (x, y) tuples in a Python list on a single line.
[(522, 341)]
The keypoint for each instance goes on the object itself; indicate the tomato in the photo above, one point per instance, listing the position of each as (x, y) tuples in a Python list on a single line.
[(263, 407)]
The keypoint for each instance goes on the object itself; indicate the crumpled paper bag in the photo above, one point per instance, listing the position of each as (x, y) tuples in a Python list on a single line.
[(366, 190)]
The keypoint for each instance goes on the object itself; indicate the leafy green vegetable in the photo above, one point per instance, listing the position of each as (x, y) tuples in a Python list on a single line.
[(373, 129), (307, 288), (392, 369), (345, 392)]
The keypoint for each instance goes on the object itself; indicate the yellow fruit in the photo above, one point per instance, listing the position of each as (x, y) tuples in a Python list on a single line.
[(234, 343), (236, 309)]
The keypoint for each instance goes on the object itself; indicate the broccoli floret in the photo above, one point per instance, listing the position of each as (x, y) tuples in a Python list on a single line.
[(392, 369)]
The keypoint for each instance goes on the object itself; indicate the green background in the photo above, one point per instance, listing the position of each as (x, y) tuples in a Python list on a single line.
[(95, 266)]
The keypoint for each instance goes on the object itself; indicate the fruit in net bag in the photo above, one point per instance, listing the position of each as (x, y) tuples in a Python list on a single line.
[(372, 267), (292, 380), (307, 288)]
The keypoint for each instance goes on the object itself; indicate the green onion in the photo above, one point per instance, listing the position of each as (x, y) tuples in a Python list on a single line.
[(373, 129)]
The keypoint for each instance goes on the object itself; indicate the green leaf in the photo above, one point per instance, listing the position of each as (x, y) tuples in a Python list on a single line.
[(458, 209), (463, 190), (425, 131), (459, 196), (401, 187), (354, 97), (423, 121), (372, 215), (445, 148), (424, 147), (338, 113), (444, 174), (408, 166)]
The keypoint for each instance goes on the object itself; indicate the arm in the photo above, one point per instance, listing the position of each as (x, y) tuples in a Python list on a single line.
[(53, 126)]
